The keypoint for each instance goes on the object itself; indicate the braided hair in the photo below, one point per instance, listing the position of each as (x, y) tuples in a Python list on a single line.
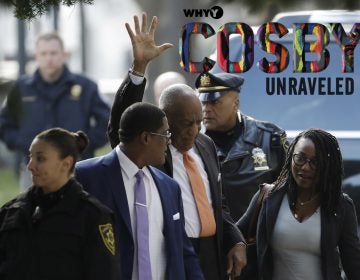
[(329, 168)]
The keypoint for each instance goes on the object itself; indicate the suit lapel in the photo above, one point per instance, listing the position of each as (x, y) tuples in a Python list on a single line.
[(209, 168), (116, 183), (273, 204), (165, 198), (163, 193), (168, 166), (169, 208)]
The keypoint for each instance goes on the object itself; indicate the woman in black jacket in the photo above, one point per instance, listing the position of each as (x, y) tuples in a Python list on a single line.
[(307, 225), (55, 230)]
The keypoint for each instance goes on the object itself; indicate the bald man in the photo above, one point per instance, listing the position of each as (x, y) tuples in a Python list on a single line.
[(164, 80)]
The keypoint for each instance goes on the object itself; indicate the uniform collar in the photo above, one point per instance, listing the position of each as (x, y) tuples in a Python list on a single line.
[(251, 133), (65, 77), (65, 200)]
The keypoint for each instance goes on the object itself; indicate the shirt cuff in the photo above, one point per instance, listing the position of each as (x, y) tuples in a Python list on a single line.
[(135, 79)]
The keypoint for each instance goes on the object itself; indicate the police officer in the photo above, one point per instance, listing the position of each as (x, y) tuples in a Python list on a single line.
[(52, 97), (55, 230), (250, 151)]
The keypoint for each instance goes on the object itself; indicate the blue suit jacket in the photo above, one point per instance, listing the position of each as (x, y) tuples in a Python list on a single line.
[(102, 178)]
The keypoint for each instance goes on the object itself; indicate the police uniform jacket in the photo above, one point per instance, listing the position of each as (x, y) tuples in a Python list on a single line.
[(65, 235), (338, 239), (255, 157), (73, 103)]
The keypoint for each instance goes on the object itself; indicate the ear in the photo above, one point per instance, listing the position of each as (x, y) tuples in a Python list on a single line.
[(144, 138), (67, 163), (236, 103), (67, 55), (36, 57)]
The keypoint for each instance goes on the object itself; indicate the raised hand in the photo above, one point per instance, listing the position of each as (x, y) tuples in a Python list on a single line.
[(143, 43)]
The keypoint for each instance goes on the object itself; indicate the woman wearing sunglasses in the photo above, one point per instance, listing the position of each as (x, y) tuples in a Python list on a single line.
[(306, 224)]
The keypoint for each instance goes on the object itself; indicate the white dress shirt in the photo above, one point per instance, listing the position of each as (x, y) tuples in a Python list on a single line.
[(155, 214), (192, 221)]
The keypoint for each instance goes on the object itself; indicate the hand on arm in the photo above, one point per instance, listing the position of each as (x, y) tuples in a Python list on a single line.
[(143, 43)]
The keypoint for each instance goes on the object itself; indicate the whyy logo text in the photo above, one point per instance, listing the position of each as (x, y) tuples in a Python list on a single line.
[(215, 12)]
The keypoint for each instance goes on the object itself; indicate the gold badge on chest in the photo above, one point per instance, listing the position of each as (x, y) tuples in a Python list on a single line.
[(75, 92), (259, 157)]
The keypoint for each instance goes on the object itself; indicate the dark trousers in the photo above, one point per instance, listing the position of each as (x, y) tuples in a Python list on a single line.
[(206, 249)]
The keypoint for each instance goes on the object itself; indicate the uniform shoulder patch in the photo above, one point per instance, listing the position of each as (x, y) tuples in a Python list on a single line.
[(107, 236), (284, 141)]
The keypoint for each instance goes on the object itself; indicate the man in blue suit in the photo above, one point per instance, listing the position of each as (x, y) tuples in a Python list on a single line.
[(111, 178)]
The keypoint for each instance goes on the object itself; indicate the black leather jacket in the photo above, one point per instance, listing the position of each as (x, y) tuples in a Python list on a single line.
[(256, 157)]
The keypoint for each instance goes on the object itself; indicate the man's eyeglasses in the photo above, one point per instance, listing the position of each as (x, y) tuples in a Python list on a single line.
[(167, 135), (300, 160)]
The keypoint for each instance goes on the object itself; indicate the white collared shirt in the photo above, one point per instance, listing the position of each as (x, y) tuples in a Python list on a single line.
[(155, 213), (192, 222)]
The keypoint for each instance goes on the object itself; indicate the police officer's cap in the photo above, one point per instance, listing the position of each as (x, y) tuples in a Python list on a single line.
[(212, 86)]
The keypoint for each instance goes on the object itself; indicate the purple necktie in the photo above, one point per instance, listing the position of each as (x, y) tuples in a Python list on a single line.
[(142, 228)]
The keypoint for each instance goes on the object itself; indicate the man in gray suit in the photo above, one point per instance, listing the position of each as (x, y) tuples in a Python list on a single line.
[(222, 251)]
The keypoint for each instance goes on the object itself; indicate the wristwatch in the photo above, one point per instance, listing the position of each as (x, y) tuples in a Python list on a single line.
[(136, 73)]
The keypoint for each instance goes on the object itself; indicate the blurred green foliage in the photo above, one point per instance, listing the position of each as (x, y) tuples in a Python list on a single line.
[(9, 186), (30, 9)]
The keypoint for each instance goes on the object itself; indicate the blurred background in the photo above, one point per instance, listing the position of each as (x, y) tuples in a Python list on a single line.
[(99, 47)]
